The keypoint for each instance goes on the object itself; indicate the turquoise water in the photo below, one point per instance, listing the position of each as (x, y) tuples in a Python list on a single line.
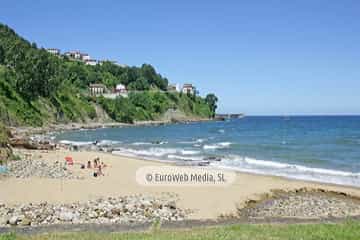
[(324, 149)]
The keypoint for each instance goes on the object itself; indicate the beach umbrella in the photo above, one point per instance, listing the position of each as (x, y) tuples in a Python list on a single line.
[(68, 158)]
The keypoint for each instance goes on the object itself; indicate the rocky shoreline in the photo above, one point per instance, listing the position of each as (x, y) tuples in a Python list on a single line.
[(39, 168), (128, 209), (302, 203), (23, 131), (39, 138)]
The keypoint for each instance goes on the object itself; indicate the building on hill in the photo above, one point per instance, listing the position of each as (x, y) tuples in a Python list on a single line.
[(188, 88), (97, 89), (173, 88), (54, 51), (119, 91), (91, 62), (74, 55), (120, 88), (85, 57)]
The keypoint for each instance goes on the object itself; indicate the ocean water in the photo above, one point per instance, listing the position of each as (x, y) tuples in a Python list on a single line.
[(316, 148)]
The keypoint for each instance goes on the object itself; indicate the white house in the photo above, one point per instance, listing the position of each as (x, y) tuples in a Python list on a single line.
[(171, 88), (54, 51), (85, 57), (120, 88), (77, 55), (188, 88), (74, 54)]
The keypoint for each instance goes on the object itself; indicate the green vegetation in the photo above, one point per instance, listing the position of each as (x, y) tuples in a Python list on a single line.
[(211, 100), (151, 105), (349, 230), (5, 152), (37, 87), (3, 135)]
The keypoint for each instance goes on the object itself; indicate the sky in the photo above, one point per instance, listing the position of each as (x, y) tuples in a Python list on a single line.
[(259, 57)]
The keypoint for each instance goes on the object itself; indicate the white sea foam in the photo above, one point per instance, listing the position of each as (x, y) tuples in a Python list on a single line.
[(220, 145), (211, 147), (294, 171), (225, 144), (189, 152), (106, 142), (152, 152), (75, 143), (199, 140), (141, 143), (185, 158)]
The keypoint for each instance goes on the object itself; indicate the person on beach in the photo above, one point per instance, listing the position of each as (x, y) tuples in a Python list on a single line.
[(96, 162), (99, 172), (89, 164)]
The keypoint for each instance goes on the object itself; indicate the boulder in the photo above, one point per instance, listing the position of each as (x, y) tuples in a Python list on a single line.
[(14, 220), (66, 216), (25, 222)]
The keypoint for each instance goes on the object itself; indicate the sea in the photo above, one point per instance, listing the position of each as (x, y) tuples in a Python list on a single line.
[(316, 148)]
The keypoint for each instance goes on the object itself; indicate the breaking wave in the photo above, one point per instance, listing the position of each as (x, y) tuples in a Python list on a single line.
[(220, 145), (293, 171)]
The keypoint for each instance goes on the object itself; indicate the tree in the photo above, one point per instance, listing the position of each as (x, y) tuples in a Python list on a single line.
[(148, 72), (139, 84), (140, 100), (211, 100), (123, 110), (2, 55)]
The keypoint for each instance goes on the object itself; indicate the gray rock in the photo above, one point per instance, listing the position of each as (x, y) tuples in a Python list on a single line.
[(14, 220), (66, 216), (3, 220), (25, 222), (111, 210), (93, 214)]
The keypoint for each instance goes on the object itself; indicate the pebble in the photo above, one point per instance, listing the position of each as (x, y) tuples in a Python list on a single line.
[(304, 205), (39, 168), (128, 209)]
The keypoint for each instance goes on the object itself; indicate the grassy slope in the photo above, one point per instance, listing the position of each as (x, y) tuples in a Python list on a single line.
[(349, 230), (68, 105), (152, 105)]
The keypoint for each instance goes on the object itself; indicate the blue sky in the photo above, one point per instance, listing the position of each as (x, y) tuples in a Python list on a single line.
[(259, 57)]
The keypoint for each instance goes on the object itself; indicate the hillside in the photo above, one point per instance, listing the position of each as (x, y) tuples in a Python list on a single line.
[(38, 88), (5, 151)]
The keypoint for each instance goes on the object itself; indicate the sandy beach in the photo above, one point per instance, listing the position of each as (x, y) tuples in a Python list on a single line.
[(206, 202)]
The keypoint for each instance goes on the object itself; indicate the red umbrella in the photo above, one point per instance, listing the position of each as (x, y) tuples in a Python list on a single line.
[(68, 158)]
